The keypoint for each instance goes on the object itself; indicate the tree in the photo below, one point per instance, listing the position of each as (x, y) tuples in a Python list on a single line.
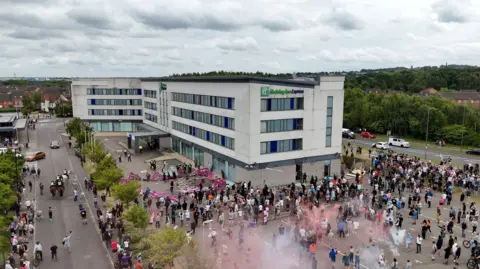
[(28, 105), (74, 127), (37, 100), (137, 216), (107, 177), (63, 110), (96, 153), (127, 192), (166, 245)]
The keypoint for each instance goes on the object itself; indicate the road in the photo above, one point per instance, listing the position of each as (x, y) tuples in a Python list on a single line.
[(432, 154), (87, 248)]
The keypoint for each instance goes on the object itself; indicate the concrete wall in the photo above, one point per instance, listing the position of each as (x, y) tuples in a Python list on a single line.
[(207, 160), (165, 142)]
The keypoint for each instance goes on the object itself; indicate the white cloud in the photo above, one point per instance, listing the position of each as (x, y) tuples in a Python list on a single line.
[(124, 38)]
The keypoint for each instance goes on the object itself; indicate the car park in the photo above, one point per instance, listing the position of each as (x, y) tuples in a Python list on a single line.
[(367, 135), (398, 142), (381, 145)]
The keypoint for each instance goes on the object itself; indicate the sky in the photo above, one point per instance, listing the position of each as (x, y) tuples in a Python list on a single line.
[(157, 37)]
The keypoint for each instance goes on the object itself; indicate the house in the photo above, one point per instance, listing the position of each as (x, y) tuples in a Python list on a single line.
[(428, 92), (463, 97)]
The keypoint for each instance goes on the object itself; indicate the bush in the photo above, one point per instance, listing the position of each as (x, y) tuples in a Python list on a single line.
[(138, 217)]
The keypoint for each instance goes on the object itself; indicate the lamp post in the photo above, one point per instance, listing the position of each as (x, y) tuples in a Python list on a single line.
[(426, 133)]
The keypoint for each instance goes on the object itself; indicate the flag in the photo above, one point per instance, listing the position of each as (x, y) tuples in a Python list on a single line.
[(163, 87)]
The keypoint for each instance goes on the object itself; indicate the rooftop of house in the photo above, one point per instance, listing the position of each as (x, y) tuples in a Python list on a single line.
[(469, 95)]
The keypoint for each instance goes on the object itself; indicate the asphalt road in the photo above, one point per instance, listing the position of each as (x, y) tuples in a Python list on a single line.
[(432, 153), (87, 248)]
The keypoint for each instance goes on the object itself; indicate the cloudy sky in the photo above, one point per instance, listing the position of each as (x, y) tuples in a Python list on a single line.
[(159, 37)]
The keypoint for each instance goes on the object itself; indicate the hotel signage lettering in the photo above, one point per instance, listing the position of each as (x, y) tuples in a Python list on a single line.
[(267, 91)]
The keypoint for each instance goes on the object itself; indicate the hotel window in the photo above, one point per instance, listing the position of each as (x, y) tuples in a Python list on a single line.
[(281, 104), (115, 112), (150, 105), (151, 117), (115, 91), (328, 138), (150, 93), (220, 121), (214, 138), (204, 100), (281, 146), (115, 102), (272, 126)]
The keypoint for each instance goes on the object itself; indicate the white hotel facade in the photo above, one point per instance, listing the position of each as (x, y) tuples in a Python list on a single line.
[(260, 129)]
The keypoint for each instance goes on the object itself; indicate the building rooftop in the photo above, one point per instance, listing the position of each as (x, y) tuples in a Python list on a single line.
[(461, 95), (7, 117), (237, 79)]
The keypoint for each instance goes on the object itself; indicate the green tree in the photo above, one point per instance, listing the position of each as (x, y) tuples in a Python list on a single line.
[(95, 153), (28, 105), (37, 100), (137, 216), (63, 110), (127, 192), (107, 177), (166, 245), (74, 127)]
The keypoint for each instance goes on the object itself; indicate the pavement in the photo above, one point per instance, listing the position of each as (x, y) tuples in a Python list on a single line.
[(88, 251), (433, 153)]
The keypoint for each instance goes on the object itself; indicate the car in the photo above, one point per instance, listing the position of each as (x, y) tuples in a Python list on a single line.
[(37, 156), (54, 145), (381, 145), (474, 151), (398, 142), (367, 135), (346, 133)]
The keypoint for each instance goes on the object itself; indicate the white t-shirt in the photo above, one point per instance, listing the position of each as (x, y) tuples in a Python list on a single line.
[(28, 203), (302, 232)]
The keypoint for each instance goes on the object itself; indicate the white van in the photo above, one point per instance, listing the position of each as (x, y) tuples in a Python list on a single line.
[(398, 142)]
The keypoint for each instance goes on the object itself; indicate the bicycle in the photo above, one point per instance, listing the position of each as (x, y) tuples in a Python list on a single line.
[(36, 260), (471, 263)]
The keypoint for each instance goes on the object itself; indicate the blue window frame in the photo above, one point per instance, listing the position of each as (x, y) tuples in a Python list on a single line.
[(139, 91), (292, 103), (139, 112), (93, 111), (190, 131), (269, 105), (211, 118), (194, 131), (230, 103), (294, 124), (93, 91), (225, 121), (223, 140), (273, 146), (191, 115), (120, 112), (294, 144), (208, 136), (93, 101)]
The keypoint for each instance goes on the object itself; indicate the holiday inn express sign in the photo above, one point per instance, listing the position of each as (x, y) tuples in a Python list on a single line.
[(267, 91)]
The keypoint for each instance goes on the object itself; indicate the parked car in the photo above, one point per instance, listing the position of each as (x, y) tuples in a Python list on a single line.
[(37, 156), (367, 135), (398, 142), (347, 133), (381, 145), (474, 151), (54, 145)]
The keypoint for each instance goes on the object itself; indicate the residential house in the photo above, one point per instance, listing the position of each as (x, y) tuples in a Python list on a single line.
[(470, 97), (428, 92)]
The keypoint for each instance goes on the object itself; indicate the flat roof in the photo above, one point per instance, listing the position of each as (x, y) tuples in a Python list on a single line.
[(20, 124), (7, 117), (236, 79)]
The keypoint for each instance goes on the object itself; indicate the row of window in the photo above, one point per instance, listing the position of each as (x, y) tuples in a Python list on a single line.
[(281, 146), (115, 112), (220, 121), (280, 104), (151, 117), (272, 126), (150, 105), (218, 139), (328, 138), (115, 102), (150, 93), (204, 100), (94, 91)]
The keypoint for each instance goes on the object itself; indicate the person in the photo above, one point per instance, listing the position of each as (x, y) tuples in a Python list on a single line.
[(66, 241), (8, 265), (419, 243), (408, 241), (50, 213), (346, 261), (41, 188), (408, 265), (53, 251), (75, 195), (394, 263), (213, 235), (83, 213), (37, 249), (333, 256)]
